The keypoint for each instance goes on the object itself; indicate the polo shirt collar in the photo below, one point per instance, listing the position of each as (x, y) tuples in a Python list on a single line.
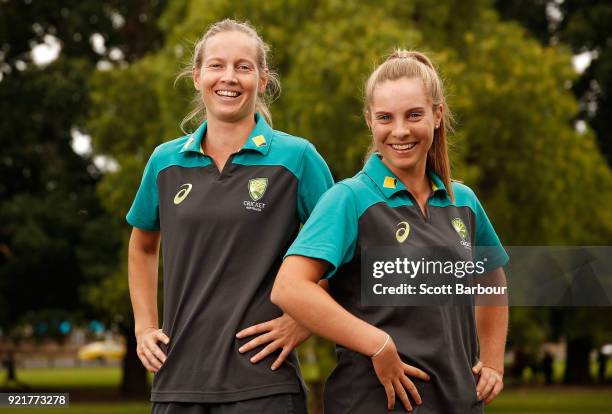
[(389, 184), (437, 185), (259, 139)]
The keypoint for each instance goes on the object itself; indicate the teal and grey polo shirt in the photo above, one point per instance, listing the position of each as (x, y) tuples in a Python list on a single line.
[(364, 212), (223, 239)]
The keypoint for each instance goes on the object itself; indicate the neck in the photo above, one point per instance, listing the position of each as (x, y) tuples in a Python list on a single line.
[(415, 180), (228, 136)]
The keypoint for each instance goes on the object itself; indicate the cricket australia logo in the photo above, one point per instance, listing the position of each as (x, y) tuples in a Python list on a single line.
[(257, 189), (461, 230)]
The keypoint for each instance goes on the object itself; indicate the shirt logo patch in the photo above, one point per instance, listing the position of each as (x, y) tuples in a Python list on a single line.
[(461, 230), (182, 194), (402, 233), (259, 140), (389, 182), (257, 189)]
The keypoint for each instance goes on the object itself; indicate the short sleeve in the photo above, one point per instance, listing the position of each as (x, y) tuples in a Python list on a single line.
[(330, 233), (144, 213), (487, 242), (314, 180)]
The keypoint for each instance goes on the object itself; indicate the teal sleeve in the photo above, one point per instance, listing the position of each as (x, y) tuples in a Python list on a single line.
[(487, 243), (314, 180), (330, 233), (144, 213)]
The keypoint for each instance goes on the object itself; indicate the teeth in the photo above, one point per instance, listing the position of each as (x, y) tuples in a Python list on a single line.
[(403, 146), (232, 94)]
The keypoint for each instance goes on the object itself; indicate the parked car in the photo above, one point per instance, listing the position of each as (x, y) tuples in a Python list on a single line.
[(102, 351)]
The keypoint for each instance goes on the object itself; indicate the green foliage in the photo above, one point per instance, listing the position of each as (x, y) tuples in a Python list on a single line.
[(55, 238), (127, 26), (585, 27), (540, 180), (518, 145), (526, 328), (48, 206)]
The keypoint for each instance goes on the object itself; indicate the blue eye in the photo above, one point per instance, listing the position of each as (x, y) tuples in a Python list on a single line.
[(384, 117), (415, 115)]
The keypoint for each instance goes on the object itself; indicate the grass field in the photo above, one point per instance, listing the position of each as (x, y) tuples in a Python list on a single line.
[(63, 378), (99, 384)]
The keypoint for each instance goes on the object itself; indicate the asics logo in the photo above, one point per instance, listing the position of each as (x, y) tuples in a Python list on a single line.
[(182, 194)]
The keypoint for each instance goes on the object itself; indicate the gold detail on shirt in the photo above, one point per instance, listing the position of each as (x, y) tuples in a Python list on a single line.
[(389, 182), (259, 140)]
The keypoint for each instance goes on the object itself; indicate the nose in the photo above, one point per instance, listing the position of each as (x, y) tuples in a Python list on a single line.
[(229, 75), (400, 129)]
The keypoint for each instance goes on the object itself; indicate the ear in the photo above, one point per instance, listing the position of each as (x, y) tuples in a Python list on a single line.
[(263, 81), (367, 114), (195, 75), (438, 114)]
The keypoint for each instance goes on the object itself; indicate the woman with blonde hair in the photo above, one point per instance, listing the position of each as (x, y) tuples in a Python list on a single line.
[(226, 202), (433, 359)]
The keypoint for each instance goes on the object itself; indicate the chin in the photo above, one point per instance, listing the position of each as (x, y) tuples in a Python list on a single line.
[(401, 163), (230, 115), (404, 166)]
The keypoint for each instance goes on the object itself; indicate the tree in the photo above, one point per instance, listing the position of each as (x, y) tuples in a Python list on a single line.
[(48, 195), (57, 238), (584, 26), (516, 144)]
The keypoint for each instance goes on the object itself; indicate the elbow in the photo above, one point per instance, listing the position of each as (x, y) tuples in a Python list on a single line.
[(280, 291)]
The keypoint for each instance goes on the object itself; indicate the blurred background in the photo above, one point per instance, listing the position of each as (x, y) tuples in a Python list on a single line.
[(87, 91)]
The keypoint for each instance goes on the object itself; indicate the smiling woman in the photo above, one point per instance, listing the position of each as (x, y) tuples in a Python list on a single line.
[(433, 359), (211, 58), (207, 196)]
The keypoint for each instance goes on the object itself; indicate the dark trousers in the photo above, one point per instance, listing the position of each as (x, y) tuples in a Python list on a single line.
[(273, 404)]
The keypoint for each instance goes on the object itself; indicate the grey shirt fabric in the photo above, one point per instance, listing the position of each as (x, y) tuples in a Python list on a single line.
[(223, 238), (369, 211), (440, 340)]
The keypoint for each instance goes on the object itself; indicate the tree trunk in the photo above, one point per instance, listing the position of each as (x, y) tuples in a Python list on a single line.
[(11, 368), (577, 366), (520, 363), (134, 381)]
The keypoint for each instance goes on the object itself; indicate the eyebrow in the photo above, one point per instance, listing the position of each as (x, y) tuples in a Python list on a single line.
[(416, 108), (213, 58)]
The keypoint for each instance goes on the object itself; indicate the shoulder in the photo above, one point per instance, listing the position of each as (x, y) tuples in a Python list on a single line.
[(341, 192), (466, 197), (289, 143), (360, 183), (356, 191), (168, 153), (170, 148), (296, 154)]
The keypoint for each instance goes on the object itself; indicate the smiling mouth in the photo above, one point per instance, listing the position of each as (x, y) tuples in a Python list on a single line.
[(228, 94), (404, 147)]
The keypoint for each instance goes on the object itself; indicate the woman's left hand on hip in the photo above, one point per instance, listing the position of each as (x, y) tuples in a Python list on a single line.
[(280, 333), (490, 382)]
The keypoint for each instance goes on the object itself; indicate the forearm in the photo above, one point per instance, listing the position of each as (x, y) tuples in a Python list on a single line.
[(324, 284), (311, 306), (492, 327), (142, 278)]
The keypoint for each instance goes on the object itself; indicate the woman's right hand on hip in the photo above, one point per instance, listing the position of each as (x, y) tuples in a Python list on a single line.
[(148, 350), (393, 375)]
